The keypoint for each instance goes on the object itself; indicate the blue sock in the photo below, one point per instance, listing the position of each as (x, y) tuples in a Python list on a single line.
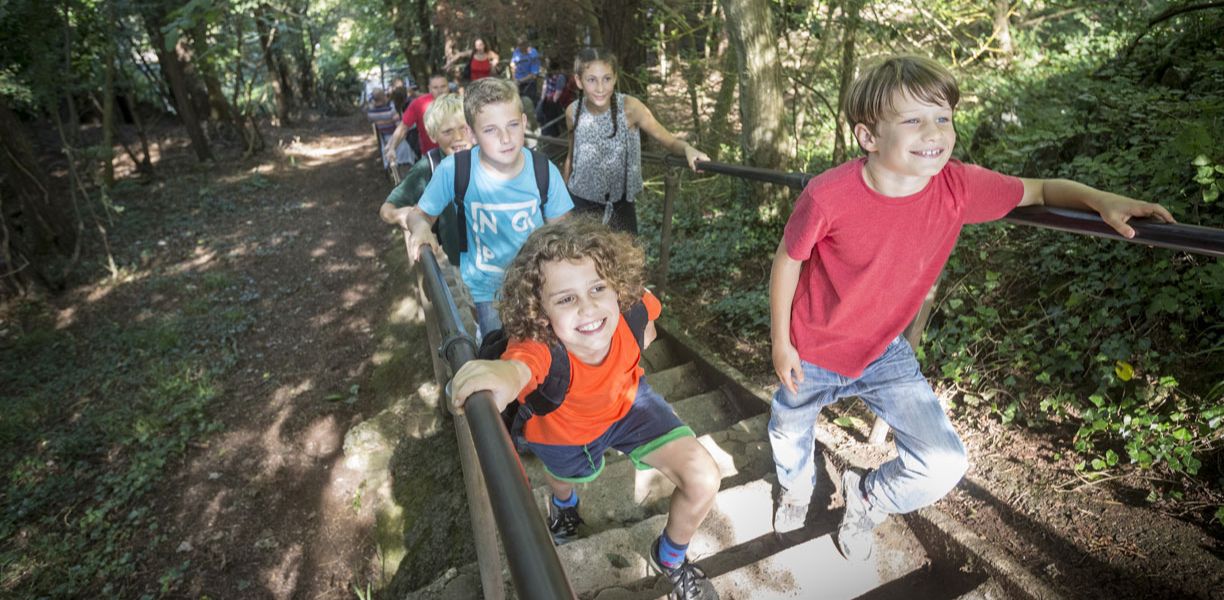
[(568, 502), (671, 554)]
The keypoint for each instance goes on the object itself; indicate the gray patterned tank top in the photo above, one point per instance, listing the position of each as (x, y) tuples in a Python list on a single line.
[(598, 172)]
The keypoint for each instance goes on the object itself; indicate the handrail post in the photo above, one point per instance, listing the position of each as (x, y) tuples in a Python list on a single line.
[(535, 568), (671, 183), (480, 509), (913, 334)]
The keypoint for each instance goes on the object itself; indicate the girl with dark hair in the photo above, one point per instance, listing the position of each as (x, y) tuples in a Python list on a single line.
[(478, 63), (604, 167)]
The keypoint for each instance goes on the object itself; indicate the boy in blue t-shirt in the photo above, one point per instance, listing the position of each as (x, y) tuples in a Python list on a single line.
[(502, 205)]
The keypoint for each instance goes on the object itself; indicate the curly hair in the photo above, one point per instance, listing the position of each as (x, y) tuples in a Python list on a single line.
[(618, 260)]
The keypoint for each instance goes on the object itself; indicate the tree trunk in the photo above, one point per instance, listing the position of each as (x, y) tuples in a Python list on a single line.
[(750, 27), (265, 24), (36, 228), (172, 70), (1002, 27), (108, 98), (621, 25), (719, 123), (849, 32)]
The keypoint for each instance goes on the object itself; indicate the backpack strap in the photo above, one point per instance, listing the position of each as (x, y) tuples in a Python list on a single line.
[(638, 319), (435, 157), (549, 395), (539, 164), (463, 173)]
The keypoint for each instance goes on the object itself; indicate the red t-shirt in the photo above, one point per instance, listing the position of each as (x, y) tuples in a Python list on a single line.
[(598, 396), (415, 115), (480, 68), (869, 259)]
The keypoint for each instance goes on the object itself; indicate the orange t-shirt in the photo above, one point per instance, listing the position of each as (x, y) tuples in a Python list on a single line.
[(598, 396)]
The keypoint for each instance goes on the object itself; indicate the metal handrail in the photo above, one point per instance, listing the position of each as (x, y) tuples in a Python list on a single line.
[(535, 568), (1149, 232)]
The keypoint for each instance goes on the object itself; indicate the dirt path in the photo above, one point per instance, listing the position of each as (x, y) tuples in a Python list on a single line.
[(267, 507)]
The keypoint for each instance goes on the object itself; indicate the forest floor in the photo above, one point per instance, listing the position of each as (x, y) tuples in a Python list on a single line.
[(266, 506)]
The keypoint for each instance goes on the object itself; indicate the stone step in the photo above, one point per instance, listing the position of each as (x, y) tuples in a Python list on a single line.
[(662, 354), (681, 381), (705, 413), (622, 494), (738, 550)]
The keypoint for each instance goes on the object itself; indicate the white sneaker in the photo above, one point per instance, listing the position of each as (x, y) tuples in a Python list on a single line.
[(789, 516), (856, 534)]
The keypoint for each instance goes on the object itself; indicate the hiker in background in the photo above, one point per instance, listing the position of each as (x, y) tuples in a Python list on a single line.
[(525, 68), (415, 115), (399, 95), (478, 62), (381, 112), (556, 97), (575, 293)]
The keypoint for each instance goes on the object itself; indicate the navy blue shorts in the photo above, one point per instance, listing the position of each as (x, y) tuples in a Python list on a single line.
[(648, 425)]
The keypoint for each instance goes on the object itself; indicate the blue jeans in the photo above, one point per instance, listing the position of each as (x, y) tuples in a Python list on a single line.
[(930, 457), (487, 319)]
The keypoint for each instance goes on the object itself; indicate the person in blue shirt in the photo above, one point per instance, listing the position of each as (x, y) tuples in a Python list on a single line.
[(502, 205), (525, 66)]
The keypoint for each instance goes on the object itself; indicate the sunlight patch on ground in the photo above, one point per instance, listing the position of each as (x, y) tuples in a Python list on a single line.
[(281, 581), (355, 294), (407, 310), (366, 250), (322, 249), (203, 257)]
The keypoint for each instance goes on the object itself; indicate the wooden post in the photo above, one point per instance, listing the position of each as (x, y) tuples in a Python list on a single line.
[(671, 183)]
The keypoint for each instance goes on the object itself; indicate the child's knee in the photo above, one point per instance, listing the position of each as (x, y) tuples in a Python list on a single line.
[(703, 479), (946, 469)]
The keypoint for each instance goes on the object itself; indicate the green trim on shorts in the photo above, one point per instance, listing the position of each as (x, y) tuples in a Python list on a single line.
[(584, 479), (642, 451)]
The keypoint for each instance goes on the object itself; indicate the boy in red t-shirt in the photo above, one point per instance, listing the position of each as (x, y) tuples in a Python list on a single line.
[(865, 242), (570, 284)]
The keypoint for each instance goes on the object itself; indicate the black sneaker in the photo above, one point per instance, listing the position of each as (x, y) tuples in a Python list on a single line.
[(563, 522), (688, 581)]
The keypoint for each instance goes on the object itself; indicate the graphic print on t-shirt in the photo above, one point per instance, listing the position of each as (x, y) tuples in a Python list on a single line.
[(485, 220)]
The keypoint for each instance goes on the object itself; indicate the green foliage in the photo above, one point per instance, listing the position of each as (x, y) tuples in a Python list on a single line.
[(93, 418), (1119, 342)]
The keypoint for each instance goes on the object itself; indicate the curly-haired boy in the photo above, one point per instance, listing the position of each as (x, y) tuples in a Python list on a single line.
[(571, 284)]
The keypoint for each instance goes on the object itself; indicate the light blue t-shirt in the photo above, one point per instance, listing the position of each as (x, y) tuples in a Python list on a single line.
[(499, 216)]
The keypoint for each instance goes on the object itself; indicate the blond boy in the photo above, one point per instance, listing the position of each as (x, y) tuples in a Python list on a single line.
[(445, 124)]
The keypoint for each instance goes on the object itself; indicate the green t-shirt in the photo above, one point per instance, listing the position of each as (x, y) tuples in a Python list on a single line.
[(412, 185), (408, 193)]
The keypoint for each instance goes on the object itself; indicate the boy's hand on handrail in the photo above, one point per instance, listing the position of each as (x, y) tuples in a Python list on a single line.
[(502, 378), (419, 233), (787, 366), (1116, 210)]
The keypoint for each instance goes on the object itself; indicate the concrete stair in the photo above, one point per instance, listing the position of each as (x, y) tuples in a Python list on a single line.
[(625, 509)]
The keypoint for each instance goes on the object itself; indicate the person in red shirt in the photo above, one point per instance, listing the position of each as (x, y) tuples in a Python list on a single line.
[(414, 116), (865, 242), (479, 62), (570, 284)]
